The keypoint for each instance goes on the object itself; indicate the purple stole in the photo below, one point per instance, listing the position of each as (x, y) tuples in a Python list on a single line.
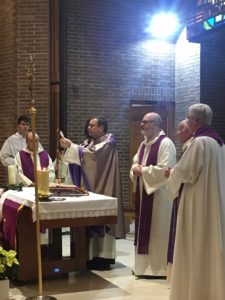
[(77, 172), (173, 223), (173, 226), (10, 210), (27, 163), (143, 211), (210, 132)]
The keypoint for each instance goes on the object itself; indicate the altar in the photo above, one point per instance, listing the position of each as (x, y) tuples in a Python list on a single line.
[(75, 212)]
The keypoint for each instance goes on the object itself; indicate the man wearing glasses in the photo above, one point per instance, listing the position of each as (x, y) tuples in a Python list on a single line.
[(152, 208), (100, 174)]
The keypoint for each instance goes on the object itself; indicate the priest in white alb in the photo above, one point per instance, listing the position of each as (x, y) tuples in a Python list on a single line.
[(152, 207), (198, 271)]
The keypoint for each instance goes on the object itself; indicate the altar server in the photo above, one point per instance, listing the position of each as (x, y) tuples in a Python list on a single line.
[(15, 142)]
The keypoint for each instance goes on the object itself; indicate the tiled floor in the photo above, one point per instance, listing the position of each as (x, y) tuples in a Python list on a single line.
[(116, 284)]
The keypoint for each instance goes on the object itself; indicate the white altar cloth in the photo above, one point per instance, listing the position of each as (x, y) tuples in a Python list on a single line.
[(92, 205)]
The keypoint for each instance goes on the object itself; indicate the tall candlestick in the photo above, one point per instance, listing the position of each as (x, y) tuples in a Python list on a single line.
[(43, 182), (12, 174), (32, 110)]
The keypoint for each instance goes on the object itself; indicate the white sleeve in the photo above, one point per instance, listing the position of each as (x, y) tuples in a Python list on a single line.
[(6, 156), (72, 154), (132, 177), (51, 170), (188, 169)]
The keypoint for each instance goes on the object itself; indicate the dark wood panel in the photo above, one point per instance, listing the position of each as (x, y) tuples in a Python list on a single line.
[(52, 261)]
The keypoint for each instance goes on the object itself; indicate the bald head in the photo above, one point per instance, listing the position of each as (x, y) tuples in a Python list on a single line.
[(151, 125), (29, 139), (183, 132), (154, 117)]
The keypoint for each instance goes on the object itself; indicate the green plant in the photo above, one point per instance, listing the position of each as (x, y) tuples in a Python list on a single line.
[(8, 264), (16, 187)]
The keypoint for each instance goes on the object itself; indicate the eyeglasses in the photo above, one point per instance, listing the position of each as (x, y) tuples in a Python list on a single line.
[(146, 122), (92, 125)]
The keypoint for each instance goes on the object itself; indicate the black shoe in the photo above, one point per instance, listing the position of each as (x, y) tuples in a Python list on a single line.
[(150, 277), (99, 264)]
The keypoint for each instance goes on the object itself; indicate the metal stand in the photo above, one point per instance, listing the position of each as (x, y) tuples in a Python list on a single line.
[(41, 298)]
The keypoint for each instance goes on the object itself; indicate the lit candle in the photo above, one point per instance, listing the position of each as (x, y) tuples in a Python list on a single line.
[(12, 174), (43, 182)]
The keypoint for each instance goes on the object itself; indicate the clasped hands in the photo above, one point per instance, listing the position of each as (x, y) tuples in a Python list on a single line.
[(137, 170), (167, 172)]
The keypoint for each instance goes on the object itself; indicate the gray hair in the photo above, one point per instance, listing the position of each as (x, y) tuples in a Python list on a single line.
[(202, 112)]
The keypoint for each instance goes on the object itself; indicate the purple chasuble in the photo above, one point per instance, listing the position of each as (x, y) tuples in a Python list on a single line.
[(10, 211), (143, 211), (210, 132), (27, 163)]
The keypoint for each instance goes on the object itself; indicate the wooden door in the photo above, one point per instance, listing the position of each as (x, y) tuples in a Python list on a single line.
[(137, 111)]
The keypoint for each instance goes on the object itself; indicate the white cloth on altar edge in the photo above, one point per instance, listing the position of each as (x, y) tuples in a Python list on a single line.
[(92, 205)]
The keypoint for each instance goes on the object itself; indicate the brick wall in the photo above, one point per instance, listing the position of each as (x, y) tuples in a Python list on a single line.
[(33, 37), (7, 70), (187, 78), (24, 29), (200, 77), (111, 61)]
